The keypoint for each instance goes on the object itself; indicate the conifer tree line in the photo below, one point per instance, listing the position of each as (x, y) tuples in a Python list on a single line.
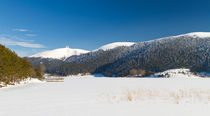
[(14, 69), (141, 59)]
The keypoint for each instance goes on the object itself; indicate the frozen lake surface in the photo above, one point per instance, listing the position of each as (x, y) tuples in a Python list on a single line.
[(91, 96)]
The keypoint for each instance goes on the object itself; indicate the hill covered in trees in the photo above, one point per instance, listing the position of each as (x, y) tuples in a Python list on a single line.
[(163, 54), (184, 51), (14, 69), (85, 63)]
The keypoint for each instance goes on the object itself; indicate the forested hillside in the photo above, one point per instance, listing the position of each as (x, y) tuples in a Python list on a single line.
[(14, 69), (164, 54), (85, 63), (51, 65), (184, 51)]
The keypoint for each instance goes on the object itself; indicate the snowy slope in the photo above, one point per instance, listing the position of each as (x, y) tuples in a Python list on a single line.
[(197, 34), (200, 35), (177, 73), (114, 45), (60, 53)]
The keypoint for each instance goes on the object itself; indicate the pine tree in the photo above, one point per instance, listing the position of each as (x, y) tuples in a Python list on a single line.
[(13, 68)]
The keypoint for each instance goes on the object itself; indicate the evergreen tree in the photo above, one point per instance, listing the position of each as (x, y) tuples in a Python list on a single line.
[(13, 68)]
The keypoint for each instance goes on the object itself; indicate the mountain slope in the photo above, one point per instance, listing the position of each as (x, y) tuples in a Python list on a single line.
[(190, 50), (87, 62), (187, 50), (60, 53), (196, 35), (114, 45)]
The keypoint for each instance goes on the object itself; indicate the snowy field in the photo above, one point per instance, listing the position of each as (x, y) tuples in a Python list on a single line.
[(100, 96)]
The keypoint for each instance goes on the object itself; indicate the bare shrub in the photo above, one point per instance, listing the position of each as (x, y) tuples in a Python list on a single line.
[(135, 72)]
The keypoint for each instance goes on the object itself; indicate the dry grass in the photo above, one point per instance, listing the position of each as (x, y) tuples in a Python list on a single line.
[(160, 95), (55, 79)]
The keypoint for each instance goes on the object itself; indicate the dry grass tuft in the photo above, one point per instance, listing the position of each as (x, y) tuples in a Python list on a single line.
[(161, 95)]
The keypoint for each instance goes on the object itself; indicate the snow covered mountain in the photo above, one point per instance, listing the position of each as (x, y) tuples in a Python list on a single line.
[(114, 45), (191, 50), (60, 53), (63, 53), (196, 34)]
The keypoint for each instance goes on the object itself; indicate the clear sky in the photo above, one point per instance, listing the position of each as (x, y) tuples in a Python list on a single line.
[(31, 26)]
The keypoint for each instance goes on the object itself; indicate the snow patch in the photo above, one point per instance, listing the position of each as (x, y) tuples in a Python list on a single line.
[(198, 34), (176, 73), (23, 82), (201, 35), (192, 34), (114, 45), (60, 53)]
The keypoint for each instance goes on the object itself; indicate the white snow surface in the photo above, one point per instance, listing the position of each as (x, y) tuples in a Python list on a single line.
[(91, 96), (60, 53), (201, 35), (22, 83), (177, 73), (114, 45), (197, 34)]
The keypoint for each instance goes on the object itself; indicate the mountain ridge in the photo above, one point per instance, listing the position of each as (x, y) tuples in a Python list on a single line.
[(114, 45), (63, 53), (60, 53), (191, 50)]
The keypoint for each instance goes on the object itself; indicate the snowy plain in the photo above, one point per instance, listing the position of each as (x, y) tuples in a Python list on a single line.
[(102, 96)]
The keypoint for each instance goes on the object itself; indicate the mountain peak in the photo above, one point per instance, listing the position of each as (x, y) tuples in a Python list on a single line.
[(60, 53)]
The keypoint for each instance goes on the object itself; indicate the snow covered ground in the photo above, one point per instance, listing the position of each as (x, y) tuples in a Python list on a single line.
[(100, 96), (178, 73), (22, 83)]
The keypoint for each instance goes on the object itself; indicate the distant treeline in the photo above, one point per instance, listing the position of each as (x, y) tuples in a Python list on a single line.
[(14, 69)]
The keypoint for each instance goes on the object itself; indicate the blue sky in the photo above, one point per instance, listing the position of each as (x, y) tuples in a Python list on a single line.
[(31, 26)]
